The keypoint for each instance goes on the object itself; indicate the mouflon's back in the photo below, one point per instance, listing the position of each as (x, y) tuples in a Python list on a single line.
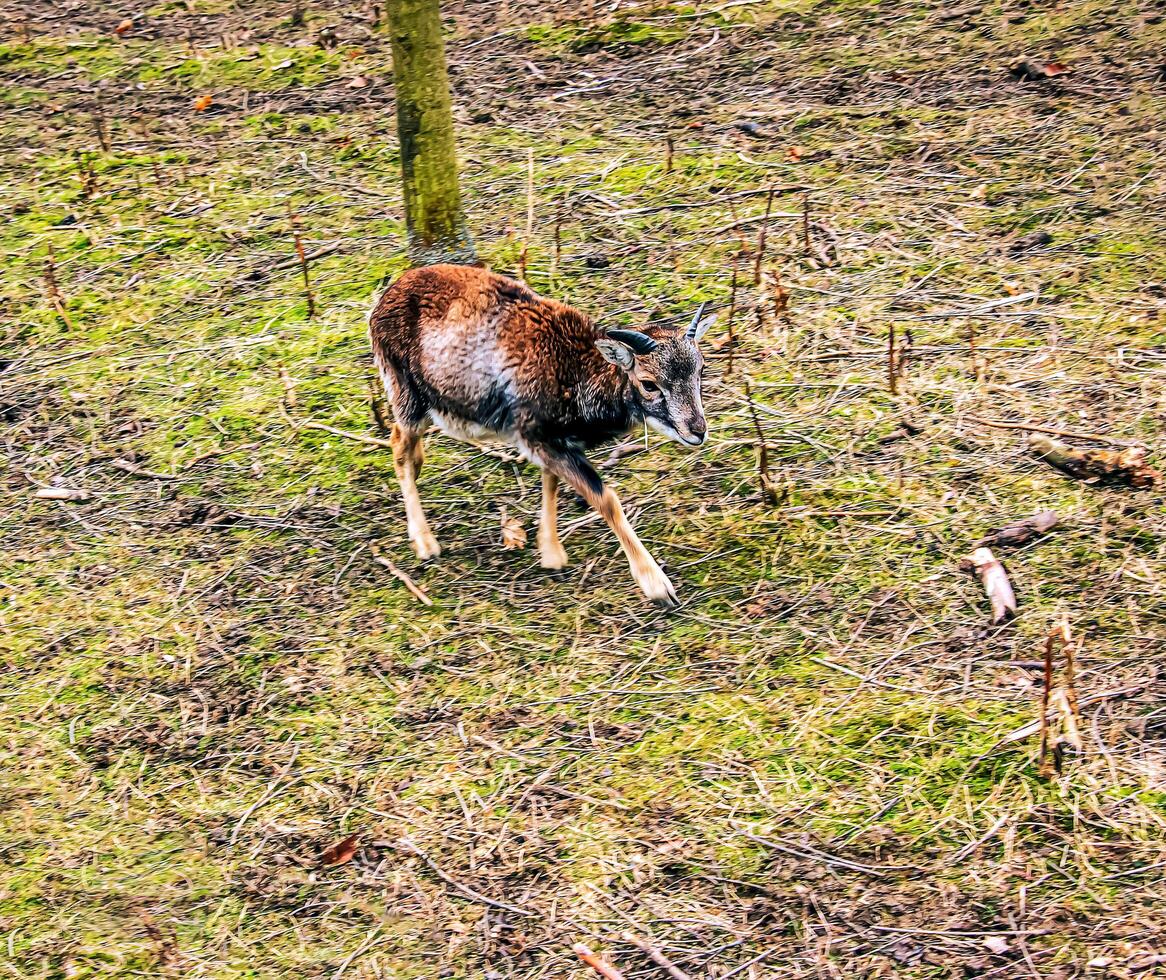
[(481, 346)]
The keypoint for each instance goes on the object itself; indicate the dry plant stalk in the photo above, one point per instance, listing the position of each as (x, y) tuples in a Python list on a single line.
[(558, 234), (994, 578), (669, 149), (761, 238), (99, 130), (892, 373), (1127, 466), (302, 257), (1062, 699), (732, 342), (380, 411), (604, 969), (53, 290), (769, 487), (529, 214)]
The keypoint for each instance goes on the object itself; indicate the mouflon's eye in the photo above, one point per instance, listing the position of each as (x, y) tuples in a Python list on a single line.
[(649, 386)]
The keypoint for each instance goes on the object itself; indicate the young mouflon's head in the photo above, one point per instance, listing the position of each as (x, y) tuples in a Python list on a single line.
[(665, 371)]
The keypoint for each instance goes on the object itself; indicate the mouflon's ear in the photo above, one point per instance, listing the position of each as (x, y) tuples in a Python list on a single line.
[(618, 354), (703, 327), (700, 324)]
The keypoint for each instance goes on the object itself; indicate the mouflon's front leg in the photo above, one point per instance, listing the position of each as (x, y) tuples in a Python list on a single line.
[(574, 470)]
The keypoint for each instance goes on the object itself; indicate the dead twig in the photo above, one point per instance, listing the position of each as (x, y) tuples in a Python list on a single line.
[(407, 845), (1049, 430), (762, 232), (354, 436), (399, 574), (53, 290), (604, 969), (133, 469), (769, 487), (289, 388), (655, 955)]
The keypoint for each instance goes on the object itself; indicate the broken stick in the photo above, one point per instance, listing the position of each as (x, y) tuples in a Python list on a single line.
[(1127, 466), (401, 576), (655, 955), (605, 970)]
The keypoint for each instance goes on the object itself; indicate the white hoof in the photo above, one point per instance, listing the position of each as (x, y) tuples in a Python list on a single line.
[(426, 546), (552, 556), (659, 590)]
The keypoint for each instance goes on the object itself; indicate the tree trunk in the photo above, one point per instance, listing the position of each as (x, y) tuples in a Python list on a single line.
[(433, 208)]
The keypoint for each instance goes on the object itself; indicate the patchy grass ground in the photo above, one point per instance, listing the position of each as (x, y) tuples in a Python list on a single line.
[(802, 772)]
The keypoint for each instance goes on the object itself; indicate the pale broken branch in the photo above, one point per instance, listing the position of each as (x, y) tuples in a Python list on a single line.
[(1128, 466), (994, 578), (133, 469), (63, 493)]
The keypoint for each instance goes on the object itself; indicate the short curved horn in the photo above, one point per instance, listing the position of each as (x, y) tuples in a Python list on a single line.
[(640, 343), (691, 333)]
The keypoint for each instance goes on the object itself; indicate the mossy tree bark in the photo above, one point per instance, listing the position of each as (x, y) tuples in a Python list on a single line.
[(433, 208)]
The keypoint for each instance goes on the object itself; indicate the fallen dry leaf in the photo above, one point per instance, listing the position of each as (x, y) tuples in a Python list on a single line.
[(124, 27), (202, 103), (795, 152), (1031, 71), (997, 944), (358, 82), (340, 853), (513, 533)]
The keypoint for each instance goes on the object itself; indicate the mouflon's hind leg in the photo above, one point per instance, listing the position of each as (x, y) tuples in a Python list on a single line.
[(550, 548), (408, 456), (411, 421), (573, 469)]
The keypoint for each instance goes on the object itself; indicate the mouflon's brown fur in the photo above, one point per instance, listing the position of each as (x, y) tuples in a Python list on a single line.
[(485, 358)]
